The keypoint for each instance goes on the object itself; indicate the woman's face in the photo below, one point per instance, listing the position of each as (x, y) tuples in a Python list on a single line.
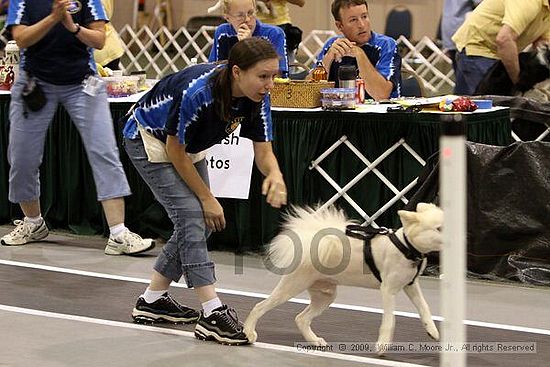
[(242, 12), (255, 82)]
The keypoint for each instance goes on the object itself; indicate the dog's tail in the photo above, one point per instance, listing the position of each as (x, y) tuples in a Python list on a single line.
[(305, 228)]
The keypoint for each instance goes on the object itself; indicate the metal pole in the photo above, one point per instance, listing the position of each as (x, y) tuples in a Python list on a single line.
[(452, 158), (135, 15)]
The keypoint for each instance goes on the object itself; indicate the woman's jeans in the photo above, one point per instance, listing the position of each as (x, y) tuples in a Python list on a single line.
[(92, 118), (186, 252)]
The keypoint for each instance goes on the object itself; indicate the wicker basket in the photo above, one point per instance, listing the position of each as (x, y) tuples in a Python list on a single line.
[(298, 94)]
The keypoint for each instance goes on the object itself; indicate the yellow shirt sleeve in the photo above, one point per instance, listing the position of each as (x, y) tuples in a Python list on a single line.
[(280, 15), (113, 45), (108, 6), (519, 14)]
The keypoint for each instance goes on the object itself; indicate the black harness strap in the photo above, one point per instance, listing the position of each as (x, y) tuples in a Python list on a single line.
[(369, 259), (367, 233), (410, 252)]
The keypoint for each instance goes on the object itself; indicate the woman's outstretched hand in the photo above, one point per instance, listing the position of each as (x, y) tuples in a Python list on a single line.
[(275, 189)]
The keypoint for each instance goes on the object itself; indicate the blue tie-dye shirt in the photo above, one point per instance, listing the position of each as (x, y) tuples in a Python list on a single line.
[(225, 38), (383, 54), (59, 57), (182, 104)]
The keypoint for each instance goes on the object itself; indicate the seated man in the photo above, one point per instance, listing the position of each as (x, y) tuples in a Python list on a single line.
[(241, 15), (498, 30), (375, 55)]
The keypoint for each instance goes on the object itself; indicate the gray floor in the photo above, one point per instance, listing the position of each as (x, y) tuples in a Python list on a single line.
[(64, 303)]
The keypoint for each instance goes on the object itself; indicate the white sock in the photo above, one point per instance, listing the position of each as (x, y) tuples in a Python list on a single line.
[(151, 296), (35, 220), (210, 306), (117, 230)]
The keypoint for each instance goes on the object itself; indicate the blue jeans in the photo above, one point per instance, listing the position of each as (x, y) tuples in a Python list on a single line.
[(185, 254), (470, 71), (92, 118)]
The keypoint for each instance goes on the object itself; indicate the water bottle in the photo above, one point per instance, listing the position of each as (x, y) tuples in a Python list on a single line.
[(9, 66), (347, 74)]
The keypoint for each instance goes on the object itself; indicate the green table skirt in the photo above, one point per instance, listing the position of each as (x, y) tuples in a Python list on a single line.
[(69, 197)]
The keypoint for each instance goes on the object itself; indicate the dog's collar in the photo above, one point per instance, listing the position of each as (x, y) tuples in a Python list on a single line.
[(407, 249)]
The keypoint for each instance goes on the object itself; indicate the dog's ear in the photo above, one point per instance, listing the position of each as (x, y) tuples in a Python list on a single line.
[(422, 207), (406, 216)]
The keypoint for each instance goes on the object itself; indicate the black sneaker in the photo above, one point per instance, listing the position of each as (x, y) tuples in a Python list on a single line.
[(221, 326), (164, 309)]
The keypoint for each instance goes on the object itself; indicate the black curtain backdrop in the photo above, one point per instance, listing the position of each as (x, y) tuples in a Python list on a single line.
[(69, 197)]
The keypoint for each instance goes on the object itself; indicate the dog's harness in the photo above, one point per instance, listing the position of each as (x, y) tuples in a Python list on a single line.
[(407, 249)]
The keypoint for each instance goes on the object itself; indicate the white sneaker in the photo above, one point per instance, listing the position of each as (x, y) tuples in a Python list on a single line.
[(128, 243), (24, 233)]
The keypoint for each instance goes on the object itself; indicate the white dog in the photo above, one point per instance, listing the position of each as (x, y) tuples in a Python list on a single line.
[(260, 6), (328, 258)]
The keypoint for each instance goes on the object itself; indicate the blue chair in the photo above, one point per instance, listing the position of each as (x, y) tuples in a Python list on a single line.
[(399, 22)]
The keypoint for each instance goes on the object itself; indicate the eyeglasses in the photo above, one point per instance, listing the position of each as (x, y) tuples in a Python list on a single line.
[(241, 17)]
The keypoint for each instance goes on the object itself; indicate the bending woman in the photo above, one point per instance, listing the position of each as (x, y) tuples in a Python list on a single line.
[(190, 111)]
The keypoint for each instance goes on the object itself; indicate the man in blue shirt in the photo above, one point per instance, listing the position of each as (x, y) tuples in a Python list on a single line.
[(57, 38), (375, 55), (242, 23)]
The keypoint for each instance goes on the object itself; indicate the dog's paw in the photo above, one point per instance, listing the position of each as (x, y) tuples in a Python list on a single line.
[(251, 335), (433, 332), (319, 342), (382, 345), (380, 348)]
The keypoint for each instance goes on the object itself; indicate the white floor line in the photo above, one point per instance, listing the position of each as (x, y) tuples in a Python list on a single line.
[(489, 325), (188, 334)]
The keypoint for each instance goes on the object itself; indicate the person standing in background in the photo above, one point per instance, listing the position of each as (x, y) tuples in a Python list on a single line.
[(280, 16), (498, 30), (242, 23), (454, 14), (56, 38), (109, 56)]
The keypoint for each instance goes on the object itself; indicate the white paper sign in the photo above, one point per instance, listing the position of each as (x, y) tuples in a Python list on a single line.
[(230, 166)]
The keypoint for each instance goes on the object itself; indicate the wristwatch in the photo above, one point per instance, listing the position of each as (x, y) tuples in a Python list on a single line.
[(77, 29)]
